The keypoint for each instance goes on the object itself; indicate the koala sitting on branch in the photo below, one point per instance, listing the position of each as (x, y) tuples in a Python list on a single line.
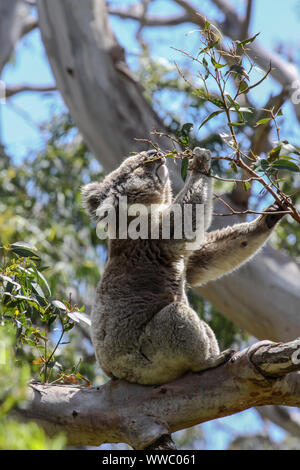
[(143, 329)]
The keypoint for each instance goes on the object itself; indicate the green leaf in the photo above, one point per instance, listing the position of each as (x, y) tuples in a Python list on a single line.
[(210, 46), (247, 41), (274, 154), (236, 107), (38, 289), (204, 96), (216, 64), (236, 123), (243, 86), (10, 281), (212, 115), (43, 282), (23, 249), (206, 26), (205, 65), (77, 317), (184, 167), (24, 245), (247, 185), (283, 164), (246, 110), (263, 121), (58, 304)]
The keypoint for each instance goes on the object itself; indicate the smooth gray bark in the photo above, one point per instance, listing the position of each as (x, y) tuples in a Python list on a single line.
[(91, 73), (13, 20), (263, 374)]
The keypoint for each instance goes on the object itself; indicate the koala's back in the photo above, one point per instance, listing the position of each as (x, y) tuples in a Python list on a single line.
[(141, 278)]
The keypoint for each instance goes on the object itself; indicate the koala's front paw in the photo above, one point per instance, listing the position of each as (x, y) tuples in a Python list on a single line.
[(202, 161), (272, 219)]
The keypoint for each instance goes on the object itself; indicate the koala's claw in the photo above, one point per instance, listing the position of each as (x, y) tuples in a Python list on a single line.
[(202, 161), (272, 219)]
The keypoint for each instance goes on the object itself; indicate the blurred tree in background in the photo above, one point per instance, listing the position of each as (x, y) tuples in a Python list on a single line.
[(50, 257)]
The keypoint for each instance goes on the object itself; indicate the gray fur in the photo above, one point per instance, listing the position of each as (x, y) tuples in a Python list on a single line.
[(143, 329)]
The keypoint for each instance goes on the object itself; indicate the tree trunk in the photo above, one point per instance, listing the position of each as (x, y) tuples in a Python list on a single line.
[(91, 73), (13, 18)]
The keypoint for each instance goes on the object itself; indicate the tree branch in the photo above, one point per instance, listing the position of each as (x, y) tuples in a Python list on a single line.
[(13, 16), (282, 71), (14, 90), (259, 141), (30, 23), (118, 411), (135, 12), (287, 419), (245, 25)]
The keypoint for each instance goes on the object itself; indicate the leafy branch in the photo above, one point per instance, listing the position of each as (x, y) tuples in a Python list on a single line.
[(26, 302), (218, 65)]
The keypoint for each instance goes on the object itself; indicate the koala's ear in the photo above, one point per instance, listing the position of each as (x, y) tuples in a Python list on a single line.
[(94, 196)]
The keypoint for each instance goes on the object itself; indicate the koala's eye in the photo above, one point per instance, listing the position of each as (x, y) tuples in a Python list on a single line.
[(162, 160)]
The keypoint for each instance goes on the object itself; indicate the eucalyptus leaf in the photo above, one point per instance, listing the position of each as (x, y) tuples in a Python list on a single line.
[(184, 167), (78, 317), (58, 304), (247, 41), (283, 164), (212, 115), (263, 121)]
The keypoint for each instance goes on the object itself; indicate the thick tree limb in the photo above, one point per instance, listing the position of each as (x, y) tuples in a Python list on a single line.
[(263, 374)]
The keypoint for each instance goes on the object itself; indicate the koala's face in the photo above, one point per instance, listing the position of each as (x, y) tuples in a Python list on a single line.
[(142, 178)]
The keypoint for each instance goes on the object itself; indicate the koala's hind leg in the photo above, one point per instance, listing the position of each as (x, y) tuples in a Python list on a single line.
[(176, 341)]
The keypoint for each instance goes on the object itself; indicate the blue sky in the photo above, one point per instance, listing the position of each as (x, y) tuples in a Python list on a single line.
[(21, 117)]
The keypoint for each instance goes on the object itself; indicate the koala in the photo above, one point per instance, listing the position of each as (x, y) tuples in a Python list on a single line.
[(143, 328)]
